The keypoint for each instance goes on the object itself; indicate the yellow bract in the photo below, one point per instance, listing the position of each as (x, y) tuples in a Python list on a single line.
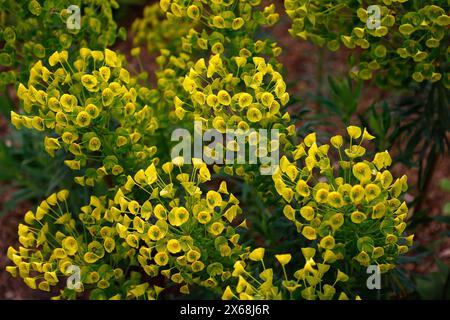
[(213, 199), (354, 132), (283, 259), (70, 245), (307, 212), (309, 233), (173, 246), (178, 216), (362, 172), (257, 254)]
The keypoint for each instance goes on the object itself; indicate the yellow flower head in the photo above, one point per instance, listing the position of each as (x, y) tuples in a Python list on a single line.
[(367, 136), (159, 211), (254, 114), (161, 258), (327, 242), (204, 217), (227, 294), (337, 220), (358, 217), (70, 245), (337, 141), (379, 211), (257, 254), (173, 246), (193, 255), (341, 276), (310, 139), (83, 119), (307, 212), (362, 172), (382, 160), (155, 233), (372, 191), (321, 196), (283, 259), (302, 188), (216, 228), (355, 151), (224, 97), (354, 132), (197, 266), (245, 99), (289, 212), (178, 216), (309, 233), (335, 200)]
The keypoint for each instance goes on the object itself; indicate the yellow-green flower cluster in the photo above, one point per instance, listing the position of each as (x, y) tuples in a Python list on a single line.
[(246, 94), (178, 230), (92, 107), (409, 43), (157, 32), (349, 213), (221, 60), (54, 243), (162, 223), (33, 30), (222, 15), (351, 209), (217, 38), (315, 280)]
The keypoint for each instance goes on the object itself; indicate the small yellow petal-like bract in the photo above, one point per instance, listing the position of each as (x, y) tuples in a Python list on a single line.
[(257, 254), (283, 259), (354, 132), (309, 233)]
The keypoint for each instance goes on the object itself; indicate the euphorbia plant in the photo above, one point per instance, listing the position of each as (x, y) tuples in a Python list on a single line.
[(33, 30), (151, 222), (399, 41)]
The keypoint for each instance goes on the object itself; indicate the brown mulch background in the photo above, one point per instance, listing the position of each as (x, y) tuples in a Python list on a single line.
[(302, 68)]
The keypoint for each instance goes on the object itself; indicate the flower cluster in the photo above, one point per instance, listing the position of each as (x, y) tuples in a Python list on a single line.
[(55, 244), (91, 104), (33, 30), (247, 94), (315, 280), (350, 215), (203, 77), (156, 32), (222, 15), (409, 42), (162, 223), (202, 43), (180, 231), (351, 210)]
